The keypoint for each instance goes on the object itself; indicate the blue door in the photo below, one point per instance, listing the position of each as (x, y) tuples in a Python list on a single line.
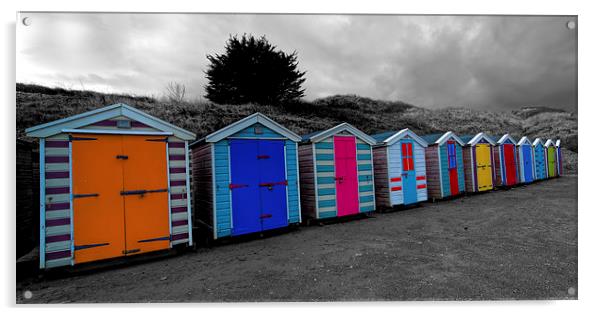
[(244, 186), (272, 184), (527, 163), (408, 173)]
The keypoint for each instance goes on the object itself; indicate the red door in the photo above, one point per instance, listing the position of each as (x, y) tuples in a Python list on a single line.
[(346, 176), (452, 167), (510, 164)]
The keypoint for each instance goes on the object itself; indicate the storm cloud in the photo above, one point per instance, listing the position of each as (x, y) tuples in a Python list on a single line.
[(489, 62)]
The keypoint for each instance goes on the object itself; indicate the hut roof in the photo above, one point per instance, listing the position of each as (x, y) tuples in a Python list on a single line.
[(503, 138), (391, 137), (524, 141), (475, 139), (441, 138), (249, 121), (72, 124), (320, 135)]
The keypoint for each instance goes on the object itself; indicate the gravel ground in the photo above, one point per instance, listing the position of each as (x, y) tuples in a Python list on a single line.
[(509, 244)]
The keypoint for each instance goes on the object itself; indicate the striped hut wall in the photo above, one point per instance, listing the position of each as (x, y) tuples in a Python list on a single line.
[(492, 162), (222, 221), (111, 124), (499, 179), (179, 197), (202, 191), (307, 179), (365, 174), (445, 187), (433, 172), (420, 168), (381, 177), (394, 177), (57, 226), (326, 188), (559, 161), (469, 171), (460, 167), (292, 189), (521, 164)]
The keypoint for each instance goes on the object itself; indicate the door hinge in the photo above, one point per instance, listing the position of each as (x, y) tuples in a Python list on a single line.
[(142, 192), (127, 252), (81, 247), (77, 196), (237, 186), (263, 156), (155, 239)]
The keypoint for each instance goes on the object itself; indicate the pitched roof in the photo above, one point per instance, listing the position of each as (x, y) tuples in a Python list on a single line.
[(441, 138), (538, 141), (120, 109), (391, 137), (503, 138), (475, 139), (549, 143), (320, 135), (524, 141), (248, 121)]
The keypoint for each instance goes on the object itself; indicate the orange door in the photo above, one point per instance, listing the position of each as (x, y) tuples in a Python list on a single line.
[(98, 226), (145, 194)]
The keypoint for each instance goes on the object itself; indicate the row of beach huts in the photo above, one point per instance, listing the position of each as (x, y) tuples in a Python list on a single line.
[(117, 182)]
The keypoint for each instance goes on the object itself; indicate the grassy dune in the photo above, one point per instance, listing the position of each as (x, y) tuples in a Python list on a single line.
[(37, 104)]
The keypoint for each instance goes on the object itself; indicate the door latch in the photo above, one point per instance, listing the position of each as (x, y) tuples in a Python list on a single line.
[(124, 157)]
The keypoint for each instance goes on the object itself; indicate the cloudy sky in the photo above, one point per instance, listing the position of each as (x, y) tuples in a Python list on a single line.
[(488, 62)]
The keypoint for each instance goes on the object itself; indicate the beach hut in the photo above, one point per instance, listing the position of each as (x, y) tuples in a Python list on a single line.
[(505, 157), (540, 159), (444, 171), (113, 182), (245, 178), (477, 156), (336, 173), (526, 165), (399, 168), (551, 158), (558, 158)]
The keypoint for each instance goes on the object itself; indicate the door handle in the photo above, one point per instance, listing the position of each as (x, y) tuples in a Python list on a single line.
[(124, 157), (262, 216)]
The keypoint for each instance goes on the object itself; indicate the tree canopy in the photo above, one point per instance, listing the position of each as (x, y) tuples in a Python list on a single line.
[(253, 71)]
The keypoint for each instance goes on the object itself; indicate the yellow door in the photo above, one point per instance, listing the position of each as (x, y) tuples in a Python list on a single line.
[(98, 226), (145, 194), (551, 162), (484, 180)]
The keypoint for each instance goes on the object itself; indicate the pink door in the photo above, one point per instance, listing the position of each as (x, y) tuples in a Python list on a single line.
[(346, 175)]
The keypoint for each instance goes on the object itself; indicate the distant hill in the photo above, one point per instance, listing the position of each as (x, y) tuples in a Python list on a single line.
[(38, 104)]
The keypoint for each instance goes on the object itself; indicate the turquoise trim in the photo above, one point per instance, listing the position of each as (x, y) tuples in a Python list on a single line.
[(328, 214), (324, 168), (366, 188), (325, 180), (364, 199), (364, 167), (367, 208), (324, 145), (324, 157), (363, 146), (364, 157), (326, 203), (330, 191)]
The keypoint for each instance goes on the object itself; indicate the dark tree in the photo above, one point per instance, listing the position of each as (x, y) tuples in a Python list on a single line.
[(253, 71)]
